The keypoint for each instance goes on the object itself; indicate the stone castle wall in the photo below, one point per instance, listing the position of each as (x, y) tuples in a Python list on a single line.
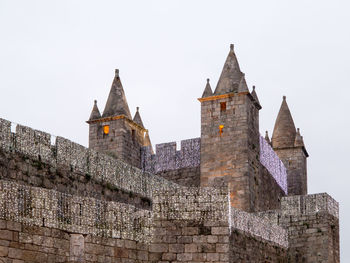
[(39, 224), (102, 168), (270, 160), (199, 225), (312, 223), (168, 158)]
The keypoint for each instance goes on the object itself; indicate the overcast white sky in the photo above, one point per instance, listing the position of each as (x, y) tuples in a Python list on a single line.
[(56, 57)]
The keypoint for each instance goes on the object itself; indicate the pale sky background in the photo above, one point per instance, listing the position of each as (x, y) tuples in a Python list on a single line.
[(56, 57)]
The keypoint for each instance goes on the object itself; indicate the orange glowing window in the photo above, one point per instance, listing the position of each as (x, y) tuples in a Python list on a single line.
[(106, 129), (222, 106), (221, 129)]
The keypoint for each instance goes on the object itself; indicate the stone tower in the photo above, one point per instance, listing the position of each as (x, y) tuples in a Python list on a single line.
[(289, 146), (230, 135), (115, 132)]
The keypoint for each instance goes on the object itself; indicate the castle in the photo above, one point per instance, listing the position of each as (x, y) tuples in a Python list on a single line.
[(229, 196)]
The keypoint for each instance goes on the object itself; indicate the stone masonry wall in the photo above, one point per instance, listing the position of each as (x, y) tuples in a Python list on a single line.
[(189, 177), (273, 164), (181, 167), (34, 206), (312, 223), (124, 140), (198, 225), (249, 248), (295, 161), (167, 158), (22, 243), (80, 161)]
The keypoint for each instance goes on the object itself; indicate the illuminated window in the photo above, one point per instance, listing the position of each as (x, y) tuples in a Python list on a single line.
[(106, 129), (221, 129), (222, 106)]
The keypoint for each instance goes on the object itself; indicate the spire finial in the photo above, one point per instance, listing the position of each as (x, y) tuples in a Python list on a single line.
[(253, 87), (231, 47), (208, 80), (284, 97), (298, 130), (137, 109), (95, 101), (117, 72), (266, 133)]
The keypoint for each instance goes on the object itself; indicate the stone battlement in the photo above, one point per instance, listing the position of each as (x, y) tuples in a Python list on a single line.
[(309, 204), (101, 167), (168, 158), (270, 160)]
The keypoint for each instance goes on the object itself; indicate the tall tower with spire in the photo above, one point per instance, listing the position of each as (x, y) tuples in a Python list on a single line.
[(116, 132), (230, 136), (289, 146)]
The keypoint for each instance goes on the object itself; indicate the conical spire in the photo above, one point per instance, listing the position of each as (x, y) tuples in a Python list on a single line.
[(137, 118), (267, 138), (95, 113), (284, 131), (255, 96), (116, 102), (231, 75), (299, 142), (207, 91)]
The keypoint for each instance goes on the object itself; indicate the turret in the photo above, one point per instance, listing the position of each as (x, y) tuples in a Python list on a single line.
[(115, 132), (289, 146), (230, 136), (95, 113), (137, 118), (207, 91)]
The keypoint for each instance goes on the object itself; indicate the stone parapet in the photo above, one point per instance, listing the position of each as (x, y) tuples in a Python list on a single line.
[(40, 146), (168, 158), (309, 205), (270, 160), (256, 226)]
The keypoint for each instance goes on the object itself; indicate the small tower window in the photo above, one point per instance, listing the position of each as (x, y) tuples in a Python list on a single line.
[(221, 129), (106, 129), (222, 106)]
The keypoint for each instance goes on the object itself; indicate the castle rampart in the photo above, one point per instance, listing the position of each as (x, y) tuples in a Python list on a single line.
[(98, 166)]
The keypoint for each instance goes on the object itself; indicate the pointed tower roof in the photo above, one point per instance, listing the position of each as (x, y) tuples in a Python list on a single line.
[(95, 113), (267, 138), (299, 142), (243, 87), (116, 102), (207, 91), (284, 131), (255, 96), (231, 75), (137, 118)]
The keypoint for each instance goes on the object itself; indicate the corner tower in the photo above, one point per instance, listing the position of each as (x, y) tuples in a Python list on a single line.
[(230, 136), (289, 146), (115, 132)]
